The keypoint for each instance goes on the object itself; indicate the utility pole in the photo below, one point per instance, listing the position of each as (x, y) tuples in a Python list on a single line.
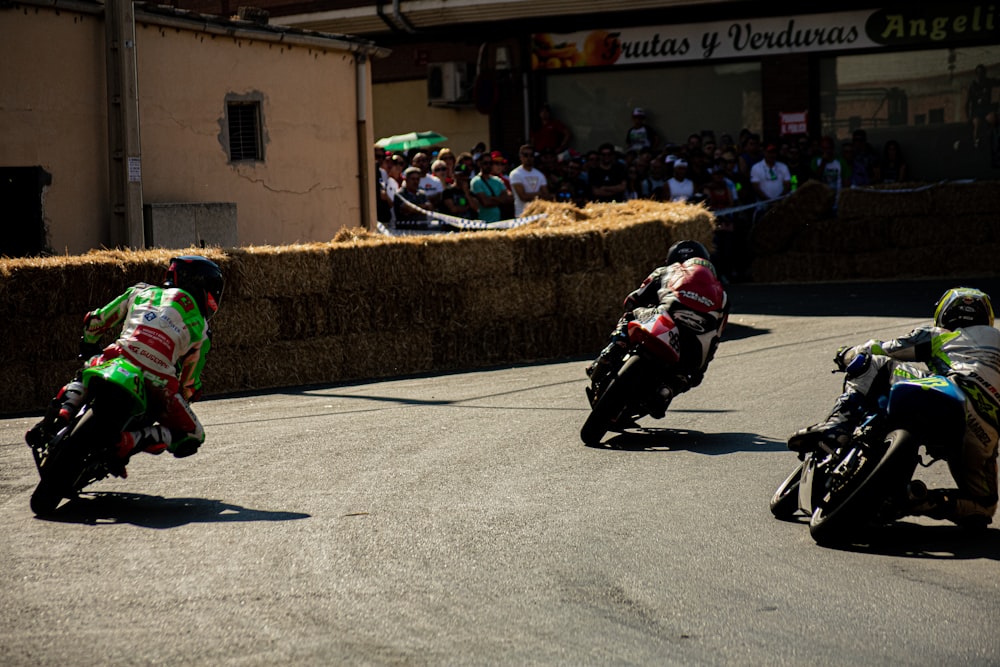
[(123, 126)]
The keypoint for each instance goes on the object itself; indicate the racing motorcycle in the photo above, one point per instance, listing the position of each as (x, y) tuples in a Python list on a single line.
[(86, 449), (849, 489), (622, 397)]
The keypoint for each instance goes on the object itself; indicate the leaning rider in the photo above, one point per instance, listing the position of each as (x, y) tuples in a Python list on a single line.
[(165, 331), (962, 344), (687, 288)]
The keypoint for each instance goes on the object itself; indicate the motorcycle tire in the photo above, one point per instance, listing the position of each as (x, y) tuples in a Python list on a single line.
[(611, 404), (785, 501), (63, 465), (843, 517)]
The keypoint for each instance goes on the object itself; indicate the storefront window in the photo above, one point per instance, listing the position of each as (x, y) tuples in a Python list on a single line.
[(678, 101), (920, 99)]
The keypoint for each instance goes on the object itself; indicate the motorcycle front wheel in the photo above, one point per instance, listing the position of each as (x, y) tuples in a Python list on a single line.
[(611, 404), (785, 501), (849, 508), (62, 467)]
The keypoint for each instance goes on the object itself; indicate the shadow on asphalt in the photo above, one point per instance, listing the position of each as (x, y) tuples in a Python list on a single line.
[(645, 439), (909, 298), (158, 512), (939, 542)]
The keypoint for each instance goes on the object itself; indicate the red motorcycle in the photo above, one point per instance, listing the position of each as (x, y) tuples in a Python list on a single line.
[(620, 398)]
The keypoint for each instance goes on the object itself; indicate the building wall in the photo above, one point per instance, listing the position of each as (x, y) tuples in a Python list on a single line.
[(401, 107), (306, 188), (52, 115)]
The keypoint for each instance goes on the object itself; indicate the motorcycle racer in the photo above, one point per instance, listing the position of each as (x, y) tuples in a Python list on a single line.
[(165, 331), (688, 288), (963, 344)]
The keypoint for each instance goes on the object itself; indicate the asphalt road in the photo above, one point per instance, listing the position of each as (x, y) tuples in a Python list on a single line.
[(459, 520)]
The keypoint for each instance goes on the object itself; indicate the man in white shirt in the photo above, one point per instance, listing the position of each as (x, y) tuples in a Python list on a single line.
[(429, 183), (769, 177), (681, 187), (527, 182)]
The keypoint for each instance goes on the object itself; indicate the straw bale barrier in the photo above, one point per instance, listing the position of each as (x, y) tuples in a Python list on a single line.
[(366, 306), (363, 305), (908, 230)]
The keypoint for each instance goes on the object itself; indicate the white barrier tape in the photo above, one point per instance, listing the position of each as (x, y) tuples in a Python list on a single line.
[(922, 188), (746, 207), (438, 222)]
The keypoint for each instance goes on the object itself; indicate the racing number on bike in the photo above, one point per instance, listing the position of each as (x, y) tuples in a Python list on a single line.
[(674, 339)]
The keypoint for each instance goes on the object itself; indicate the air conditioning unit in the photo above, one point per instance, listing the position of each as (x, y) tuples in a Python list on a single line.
[(449, 83)]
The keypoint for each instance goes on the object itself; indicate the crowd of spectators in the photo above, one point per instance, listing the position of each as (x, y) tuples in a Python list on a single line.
[(722, 171)]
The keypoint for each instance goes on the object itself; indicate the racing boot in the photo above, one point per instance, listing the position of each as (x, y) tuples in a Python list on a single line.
[(151, 439), (836, 430), (608, 361), (946, 505)]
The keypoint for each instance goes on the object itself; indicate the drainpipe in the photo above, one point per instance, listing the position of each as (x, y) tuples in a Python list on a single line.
[(403, 21), (366, 158)]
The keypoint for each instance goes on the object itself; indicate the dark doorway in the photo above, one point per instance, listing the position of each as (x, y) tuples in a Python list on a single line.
[(22, 227)]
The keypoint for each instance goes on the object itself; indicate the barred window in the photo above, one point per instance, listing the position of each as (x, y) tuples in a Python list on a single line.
[(243, 120)]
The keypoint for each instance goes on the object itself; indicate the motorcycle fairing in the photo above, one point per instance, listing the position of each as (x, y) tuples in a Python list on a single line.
[(124, 374)]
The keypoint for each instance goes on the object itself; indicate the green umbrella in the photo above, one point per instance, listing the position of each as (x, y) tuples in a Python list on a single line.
[(402, 142)]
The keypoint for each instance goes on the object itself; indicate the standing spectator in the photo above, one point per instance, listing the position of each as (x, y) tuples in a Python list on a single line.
[(993, 122), (448, 157), (527, 183), (393, 182), (592, 161), (770, 179), (894, 169), (828, 168), (457, 198), (865, 169), (575, 184), (468, 161), (719, 196), (640, 135), (717, 193), (430, 184), (633, 185), (797, 166), (439, 169), (656, 178), (549, 165), (607, 180), (383, 202), (489, 190), (750, 156), (500, 168), (680, 186), (979, 102), (551, 133), (477, 151), (406, 216)]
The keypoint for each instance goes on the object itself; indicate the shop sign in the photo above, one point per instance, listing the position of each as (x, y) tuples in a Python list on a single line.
[(794, 122), (931, 24)]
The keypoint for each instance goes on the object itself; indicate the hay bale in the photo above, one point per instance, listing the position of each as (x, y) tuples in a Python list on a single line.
[(952, 200), (455, 258), (883, 202), (777, 228), (247, 323), (279, 271)]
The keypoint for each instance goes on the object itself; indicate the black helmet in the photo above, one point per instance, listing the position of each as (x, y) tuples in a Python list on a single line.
[(200, 277), (963, 307), (682, 251)]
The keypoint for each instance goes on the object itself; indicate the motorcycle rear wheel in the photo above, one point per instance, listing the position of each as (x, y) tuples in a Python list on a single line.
[(611, 404), (785, 501), (844, 515)]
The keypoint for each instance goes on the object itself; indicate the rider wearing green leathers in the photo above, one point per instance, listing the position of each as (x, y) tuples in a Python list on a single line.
[(165, 331)]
